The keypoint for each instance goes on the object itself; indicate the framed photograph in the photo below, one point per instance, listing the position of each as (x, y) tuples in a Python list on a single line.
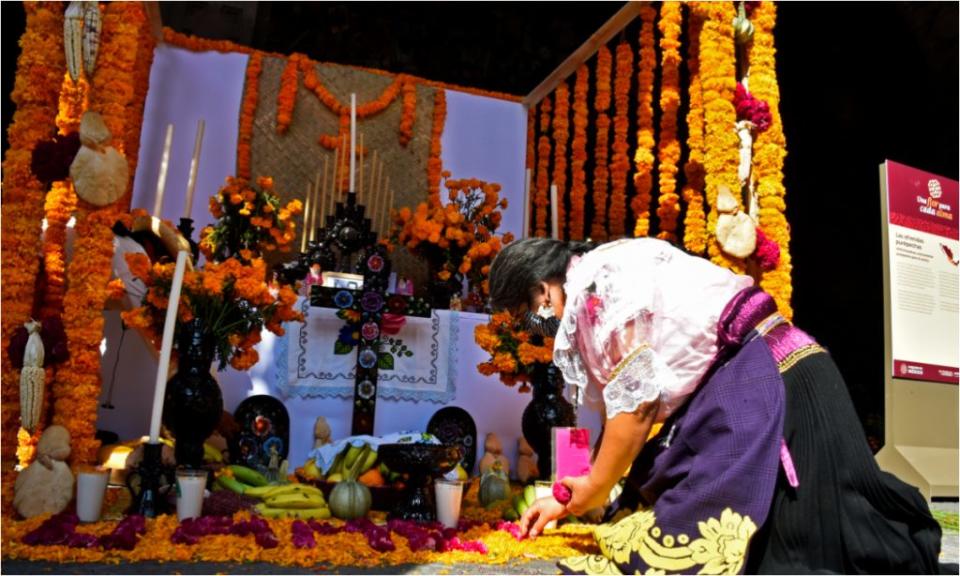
[(343, 280)]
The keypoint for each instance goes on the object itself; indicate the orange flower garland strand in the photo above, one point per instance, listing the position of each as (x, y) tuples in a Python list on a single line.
[(718, 80), (435, 161), (695, 220), (248, 112), (409, 113), (601, 174), (531, 159), (40, 68), (541, 200), (643, 157), (561, 137), (620, 164), (287, 96), (668, 154), (769, 150), (117, 94), (578, 187)]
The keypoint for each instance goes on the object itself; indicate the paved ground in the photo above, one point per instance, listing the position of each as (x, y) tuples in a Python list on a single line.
[(950, 552)]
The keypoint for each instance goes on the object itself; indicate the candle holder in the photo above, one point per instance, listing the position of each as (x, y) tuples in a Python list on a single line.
[(186, 228), (144, 483)]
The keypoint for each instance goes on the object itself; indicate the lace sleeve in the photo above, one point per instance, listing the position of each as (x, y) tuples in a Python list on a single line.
[(642, 376)]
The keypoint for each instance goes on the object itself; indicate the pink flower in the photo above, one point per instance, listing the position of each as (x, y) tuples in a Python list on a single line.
[(768, 251)]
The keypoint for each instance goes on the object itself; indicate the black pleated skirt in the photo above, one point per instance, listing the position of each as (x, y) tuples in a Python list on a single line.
[(846, 515)]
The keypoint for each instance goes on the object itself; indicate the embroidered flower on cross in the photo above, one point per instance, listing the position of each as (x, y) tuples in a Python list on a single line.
[(343, 299)]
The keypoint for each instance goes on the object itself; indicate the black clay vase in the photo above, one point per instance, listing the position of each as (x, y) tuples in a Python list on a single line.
[(193, 403), (547, 410)]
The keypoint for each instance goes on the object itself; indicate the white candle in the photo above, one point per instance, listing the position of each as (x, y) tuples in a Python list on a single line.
[(166, 346), (194, 166), (317, 201), (554, 219), (306, 218), (526, 204), (162, 178), (353, 140)]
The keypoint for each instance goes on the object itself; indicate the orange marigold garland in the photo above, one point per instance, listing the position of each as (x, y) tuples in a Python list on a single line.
[(409, 113), (718, 81), (769, 150), (541, 199), (116, 91), (695, 219), (40, 68), (620, 163), (668, 154), (248, 112), (643, 158), (561, 136), (287, 96), (435, 162), (578, 187), (601, 174)]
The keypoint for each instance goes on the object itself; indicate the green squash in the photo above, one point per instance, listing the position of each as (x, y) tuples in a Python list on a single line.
[(350, 499), (494, 486)]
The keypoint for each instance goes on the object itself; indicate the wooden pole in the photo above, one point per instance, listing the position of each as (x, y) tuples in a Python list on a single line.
[(317, 202), (307, 206), (360, 186)]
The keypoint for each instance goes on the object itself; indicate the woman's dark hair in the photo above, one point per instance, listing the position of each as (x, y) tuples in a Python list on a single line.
[(518, 269)]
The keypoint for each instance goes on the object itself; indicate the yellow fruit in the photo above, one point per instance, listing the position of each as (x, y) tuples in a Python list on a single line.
[(295, 500), (461, 473), (302, 514), (311, 471)]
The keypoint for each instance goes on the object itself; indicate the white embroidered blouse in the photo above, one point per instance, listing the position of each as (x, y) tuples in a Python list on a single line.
[(640, 323)]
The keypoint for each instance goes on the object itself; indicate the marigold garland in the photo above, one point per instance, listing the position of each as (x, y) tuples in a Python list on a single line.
[(718, 81), (769, 150), (40, 68), (601, 173), (643, 158), (409, 113), (578, 187), (541, 200), (287, 96), (248, 112), (620, 163), (695, 219), (530, 160), (561, 136), (435, 162), (668, 154), (118, 91)]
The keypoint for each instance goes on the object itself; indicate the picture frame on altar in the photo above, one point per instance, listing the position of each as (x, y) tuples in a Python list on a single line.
[(343, 280)]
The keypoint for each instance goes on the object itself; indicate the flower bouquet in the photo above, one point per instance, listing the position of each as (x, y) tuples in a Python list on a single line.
[(232, 294), (459, 239), (514, 352)]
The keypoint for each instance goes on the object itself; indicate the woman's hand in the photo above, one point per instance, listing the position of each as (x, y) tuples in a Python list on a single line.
[(539, 514), (585, 495)]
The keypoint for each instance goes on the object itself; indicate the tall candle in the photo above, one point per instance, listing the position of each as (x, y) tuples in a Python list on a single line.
[(526, 204), (194, 166), (162, 178), (353, 140), (306, 218), (375, 172), (385, 223), (554, 209), (317, 201), (360, 188), (166, 346)]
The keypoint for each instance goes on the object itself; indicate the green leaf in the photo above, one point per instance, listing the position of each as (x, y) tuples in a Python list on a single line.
[(408, 353), (342, 348), (385, 361)]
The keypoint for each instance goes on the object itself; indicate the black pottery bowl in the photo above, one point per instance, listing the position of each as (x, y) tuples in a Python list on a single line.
[(423, 463), (419, 460)]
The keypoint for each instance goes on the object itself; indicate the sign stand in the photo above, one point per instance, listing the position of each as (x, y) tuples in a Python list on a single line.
[(920, 396)]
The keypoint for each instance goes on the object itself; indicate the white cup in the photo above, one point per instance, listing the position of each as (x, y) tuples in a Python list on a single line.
[(190, 486), (544, 490), (449, 494), (91, 485)]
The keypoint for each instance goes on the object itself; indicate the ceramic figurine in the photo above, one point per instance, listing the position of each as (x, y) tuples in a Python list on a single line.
[(526, 462)]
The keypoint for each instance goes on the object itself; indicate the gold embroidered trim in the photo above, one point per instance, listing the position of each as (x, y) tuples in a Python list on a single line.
[(623, 363), (798, 355), (720, 548)]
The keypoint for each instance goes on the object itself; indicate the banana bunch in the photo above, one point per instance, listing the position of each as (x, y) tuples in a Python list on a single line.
[(299, 501), (362, 457), (520, 503), (242, 479)]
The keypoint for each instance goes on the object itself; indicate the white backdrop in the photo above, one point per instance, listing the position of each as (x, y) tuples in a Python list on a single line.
[(483, 138)]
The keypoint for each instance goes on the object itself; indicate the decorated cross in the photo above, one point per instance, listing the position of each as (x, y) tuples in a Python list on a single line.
[(348, 233)]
